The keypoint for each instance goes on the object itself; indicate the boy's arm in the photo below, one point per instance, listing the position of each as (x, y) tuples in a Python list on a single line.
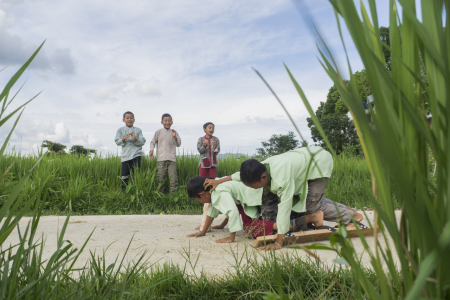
[(118, 138), (178, 141), (208, 223), (286, 193), (154, 141), (217, 147), (202, 149), (221, 226), (215, 182), (140, 139), (227, 206)]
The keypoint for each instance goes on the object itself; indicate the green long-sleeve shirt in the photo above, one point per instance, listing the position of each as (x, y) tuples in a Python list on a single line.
[(130, 147), (289, 174), (225, 198)]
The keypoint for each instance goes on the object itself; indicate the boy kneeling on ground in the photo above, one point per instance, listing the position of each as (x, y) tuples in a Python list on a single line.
[(233, 198), (299, 177)]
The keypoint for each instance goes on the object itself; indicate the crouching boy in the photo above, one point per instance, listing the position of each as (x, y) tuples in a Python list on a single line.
[(234, 199)]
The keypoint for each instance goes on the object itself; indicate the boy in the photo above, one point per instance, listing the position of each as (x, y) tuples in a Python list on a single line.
[(209, 147), (131, 140), (299, 178), (167, 141), (233, 198)]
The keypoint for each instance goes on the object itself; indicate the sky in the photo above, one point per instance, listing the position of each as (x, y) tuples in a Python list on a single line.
[(193, 59)]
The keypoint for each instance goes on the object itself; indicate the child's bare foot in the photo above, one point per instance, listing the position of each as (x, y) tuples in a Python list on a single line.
[(358, 217), (316, 218), (352, 209)]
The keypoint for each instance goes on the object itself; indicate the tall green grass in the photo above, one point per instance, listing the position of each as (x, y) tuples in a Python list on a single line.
[(82, 185), (396, 144)]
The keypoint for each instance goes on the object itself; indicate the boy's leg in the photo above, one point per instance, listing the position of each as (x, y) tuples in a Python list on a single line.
[(269, 206), (301, 223), (203, 172), (331, 214), (162, 172), (135, 162), (173, 176), (212, 172), (125, 172), (255, 228), (316, 190)]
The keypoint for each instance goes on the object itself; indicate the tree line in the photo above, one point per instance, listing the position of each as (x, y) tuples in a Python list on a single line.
[(60, 149)]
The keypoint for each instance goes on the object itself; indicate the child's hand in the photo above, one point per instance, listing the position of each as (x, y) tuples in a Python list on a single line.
[(217, 149), (126, 137), (224, 240), (273, 246), (196, 234), (205, 143), (133, 135), (211, 182), (174, 134), (151, 154), (198, 227)]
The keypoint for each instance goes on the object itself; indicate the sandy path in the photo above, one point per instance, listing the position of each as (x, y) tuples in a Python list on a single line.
[(164, 235)]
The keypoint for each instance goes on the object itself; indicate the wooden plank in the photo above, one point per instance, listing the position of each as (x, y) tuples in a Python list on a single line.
[(307, 236)]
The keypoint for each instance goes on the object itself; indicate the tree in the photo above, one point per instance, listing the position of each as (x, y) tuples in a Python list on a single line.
[(277, 144), (384, 36), (333, 118), (54, 147), (80, 150)]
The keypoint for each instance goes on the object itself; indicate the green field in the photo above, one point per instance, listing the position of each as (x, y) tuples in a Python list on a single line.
[(82, 185)]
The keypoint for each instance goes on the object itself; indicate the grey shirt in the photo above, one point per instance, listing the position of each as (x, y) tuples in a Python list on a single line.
[(130, 147), (167, 146)]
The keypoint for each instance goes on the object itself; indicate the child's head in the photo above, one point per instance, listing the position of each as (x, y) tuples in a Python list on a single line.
[(254, 174), (128, 118), (196, 190), (208, 128), (166, 121)]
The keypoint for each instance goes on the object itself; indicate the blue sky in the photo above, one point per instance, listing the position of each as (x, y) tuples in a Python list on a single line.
[(192, 59)]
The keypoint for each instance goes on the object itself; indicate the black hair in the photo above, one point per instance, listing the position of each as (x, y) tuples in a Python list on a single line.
[(207, 123), (127, 112), (251, 171), (165, 115), (195, 186)]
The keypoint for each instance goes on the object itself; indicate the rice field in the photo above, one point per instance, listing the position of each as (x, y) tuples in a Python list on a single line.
[(82, 185)]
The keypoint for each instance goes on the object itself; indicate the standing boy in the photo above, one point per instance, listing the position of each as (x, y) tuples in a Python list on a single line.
[(167, 141), (209, 147), (299, 177), (131, 140)]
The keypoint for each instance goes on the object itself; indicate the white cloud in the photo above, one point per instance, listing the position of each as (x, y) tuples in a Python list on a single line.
[(87, 141), (147, 88)]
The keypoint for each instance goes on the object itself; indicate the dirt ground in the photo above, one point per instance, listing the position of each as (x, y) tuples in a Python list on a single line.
[(163, 236)]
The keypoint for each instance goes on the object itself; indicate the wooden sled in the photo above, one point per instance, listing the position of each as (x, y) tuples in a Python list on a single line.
[(308, 236)]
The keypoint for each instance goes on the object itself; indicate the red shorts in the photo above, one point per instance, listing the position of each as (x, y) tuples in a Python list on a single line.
[(208, 172), (255, 228)]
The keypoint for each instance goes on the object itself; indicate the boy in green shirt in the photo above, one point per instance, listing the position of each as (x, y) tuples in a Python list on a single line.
[(233, 198), (299, 178)]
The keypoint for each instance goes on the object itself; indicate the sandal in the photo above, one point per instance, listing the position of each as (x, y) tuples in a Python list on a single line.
[(361, 225), (326, 227)]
